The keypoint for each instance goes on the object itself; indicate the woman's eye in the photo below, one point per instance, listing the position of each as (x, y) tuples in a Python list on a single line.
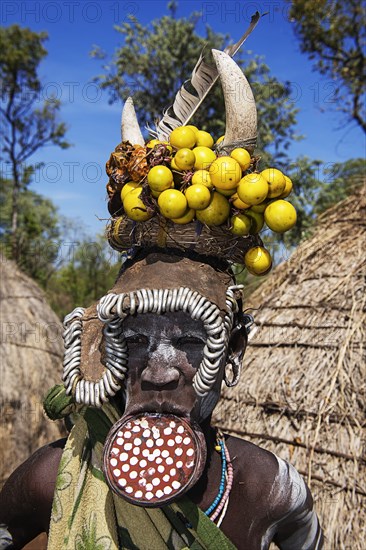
[(190, 341)]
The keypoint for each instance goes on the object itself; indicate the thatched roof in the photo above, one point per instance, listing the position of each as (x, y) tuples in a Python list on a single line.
[(302, 390), (31, 350)]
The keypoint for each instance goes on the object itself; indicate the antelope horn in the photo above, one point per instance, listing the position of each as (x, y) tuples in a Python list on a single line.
[(241, 112), (130, 129)]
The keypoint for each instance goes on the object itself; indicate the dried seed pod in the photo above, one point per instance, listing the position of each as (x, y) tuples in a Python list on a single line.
[(137, 166)]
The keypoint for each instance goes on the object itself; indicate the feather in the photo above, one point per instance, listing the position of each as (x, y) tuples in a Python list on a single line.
[(202, 80)]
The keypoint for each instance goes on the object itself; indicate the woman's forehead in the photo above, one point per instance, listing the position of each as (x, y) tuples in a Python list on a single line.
[(159, 271), (174, 322)]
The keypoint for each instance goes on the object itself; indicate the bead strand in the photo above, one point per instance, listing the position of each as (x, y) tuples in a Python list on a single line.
[(229, 485), (216, 501), (224, 510)]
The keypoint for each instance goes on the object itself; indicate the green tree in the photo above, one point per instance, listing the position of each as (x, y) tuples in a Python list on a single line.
[(91, 269), (341, 180), (317, 187), (26, 124), (39, 235), (73, 269), (332, 33), (156, 59)]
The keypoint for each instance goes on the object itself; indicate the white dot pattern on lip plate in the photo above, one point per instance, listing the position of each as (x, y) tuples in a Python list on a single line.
[(142, 460)]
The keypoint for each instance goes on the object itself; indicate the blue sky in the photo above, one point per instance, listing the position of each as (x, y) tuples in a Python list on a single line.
[(75, 178)]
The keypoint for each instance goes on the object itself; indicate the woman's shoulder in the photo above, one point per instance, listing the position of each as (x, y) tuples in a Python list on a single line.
[(251, 458), (267, 477)]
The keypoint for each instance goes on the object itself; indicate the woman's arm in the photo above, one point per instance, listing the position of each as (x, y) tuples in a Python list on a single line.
[(298, 528), (26, 498)]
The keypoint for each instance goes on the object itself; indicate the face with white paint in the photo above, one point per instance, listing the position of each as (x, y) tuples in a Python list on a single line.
[(165, 352), (147, 460)]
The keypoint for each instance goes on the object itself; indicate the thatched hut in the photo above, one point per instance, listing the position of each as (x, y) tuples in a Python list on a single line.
[(302, 391), (31, 350)]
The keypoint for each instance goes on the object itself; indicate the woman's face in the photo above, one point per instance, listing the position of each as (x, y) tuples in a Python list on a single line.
[(165, 352)]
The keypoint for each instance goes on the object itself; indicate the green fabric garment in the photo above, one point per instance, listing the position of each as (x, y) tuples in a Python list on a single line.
[(57, 404), (86, 515)]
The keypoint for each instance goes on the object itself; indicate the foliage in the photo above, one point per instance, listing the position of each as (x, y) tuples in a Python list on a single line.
[(38, 234), (55, 252), (91, 270), (332, 32), (318, 187), (26, 124), (151, 70), (341, 180)]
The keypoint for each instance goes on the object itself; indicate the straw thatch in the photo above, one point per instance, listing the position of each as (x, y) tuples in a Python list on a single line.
[(301, 394), (31, 350)]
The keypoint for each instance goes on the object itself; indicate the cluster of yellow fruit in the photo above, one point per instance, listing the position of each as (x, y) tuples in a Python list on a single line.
[(197, 184)]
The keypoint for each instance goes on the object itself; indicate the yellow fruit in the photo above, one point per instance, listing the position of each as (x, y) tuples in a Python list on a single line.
[(252, 189), (128, 187), (220, 139), (198, 196), (217, 212), (280, 216), (240, 224), (203, 177), (204, 139), (276, 182), (257, 221), (260, 207), (160, 178), (134, 207), (172, 203), (225, 173), (182, 137), (258, 260), (226, 192), (204, 157), (173, 165), (194, 128), (238, 203), (242, 157), (186, 218), (185, 159), (288, 188), (156, 194), (151, 144)]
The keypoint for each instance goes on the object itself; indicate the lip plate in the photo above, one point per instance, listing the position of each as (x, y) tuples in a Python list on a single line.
[(159, 422)]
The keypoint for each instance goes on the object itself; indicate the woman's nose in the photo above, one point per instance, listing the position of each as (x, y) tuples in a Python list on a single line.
[(161, 368)]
